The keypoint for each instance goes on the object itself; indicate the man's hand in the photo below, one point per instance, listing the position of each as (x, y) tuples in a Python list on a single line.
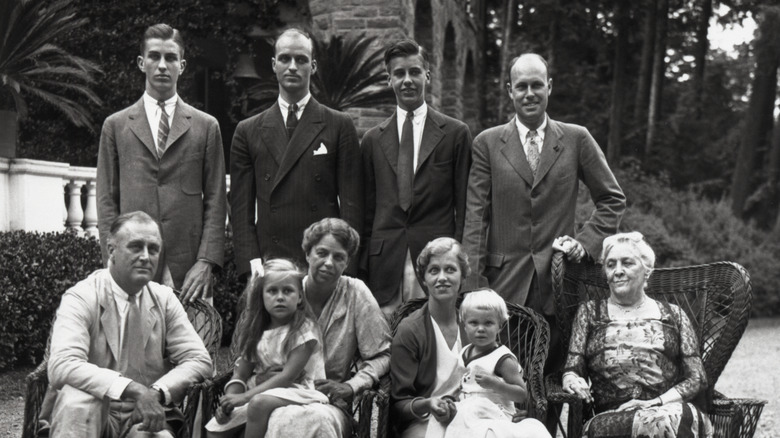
[(197, 282), (334, 390), (571, 247), (149, 411)]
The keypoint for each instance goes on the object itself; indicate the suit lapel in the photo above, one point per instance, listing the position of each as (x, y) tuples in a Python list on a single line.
[(513, 151), (550, 150), (109, 318), (389, 141), (273, 132), (432, 135), (139, 124), (309, 127), (181, 122)]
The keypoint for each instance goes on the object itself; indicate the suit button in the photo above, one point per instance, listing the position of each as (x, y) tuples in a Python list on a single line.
[(267, 177), (317, 177), (313, 207), (275, 240), (273, 210)]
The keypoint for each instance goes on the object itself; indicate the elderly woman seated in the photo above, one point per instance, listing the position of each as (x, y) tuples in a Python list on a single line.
[(641, 355)]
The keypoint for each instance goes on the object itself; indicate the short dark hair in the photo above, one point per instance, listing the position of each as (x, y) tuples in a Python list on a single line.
[(338, 228), (540, 57), (133, 216), (299, 31), (404, 48), (163, 32)]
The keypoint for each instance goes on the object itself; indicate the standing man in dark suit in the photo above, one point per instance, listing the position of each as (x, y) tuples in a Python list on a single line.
[(165, 158), (522, 198), (415, 166), (295, 163)]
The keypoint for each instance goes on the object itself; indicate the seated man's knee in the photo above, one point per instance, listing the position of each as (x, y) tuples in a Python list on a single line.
[(78, 414)]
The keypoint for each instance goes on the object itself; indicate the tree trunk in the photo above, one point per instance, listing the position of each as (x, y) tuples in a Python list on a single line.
[(758, 117), (659, 71), (700, 55), (774, 177), (618, 85), (509, 24), (646, 62)]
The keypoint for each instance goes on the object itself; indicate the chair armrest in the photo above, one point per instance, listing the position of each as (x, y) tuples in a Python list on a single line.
[(378, 395), (37, 383), (209, 391), (735, 417), (557, 396)]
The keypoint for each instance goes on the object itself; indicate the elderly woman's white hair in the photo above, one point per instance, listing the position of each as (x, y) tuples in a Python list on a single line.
[(637, 242)]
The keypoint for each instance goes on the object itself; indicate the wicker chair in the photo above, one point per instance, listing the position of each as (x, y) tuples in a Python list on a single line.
[(526, 334), (717, 298), (204, 318)]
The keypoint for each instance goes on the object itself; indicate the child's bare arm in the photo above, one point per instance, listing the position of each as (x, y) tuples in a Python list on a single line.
[(242, 371), (513, 385), (296, 361)]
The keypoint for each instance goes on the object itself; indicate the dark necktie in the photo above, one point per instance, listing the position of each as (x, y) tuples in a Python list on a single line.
[(533, 151), (162, 130), (132, 355), (406, 164), (292, 120)]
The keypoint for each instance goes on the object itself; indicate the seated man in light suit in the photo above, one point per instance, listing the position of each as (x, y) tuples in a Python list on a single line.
[(122, 348)]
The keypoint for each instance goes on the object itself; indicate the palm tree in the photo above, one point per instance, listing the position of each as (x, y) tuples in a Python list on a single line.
[(31, 65), (350, 74)]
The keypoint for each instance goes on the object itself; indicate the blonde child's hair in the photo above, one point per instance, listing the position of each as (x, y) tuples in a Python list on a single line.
[(258, 319), (484, 299)]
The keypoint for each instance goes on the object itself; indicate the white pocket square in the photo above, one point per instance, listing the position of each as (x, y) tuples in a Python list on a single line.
[(322, 150)]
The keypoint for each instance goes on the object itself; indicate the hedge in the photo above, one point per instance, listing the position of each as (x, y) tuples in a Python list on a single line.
[(37, 268)]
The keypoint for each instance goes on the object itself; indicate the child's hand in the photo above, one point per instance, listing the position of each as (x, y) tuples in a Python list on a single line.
[(484, 378), (228, 402), (443, 410)]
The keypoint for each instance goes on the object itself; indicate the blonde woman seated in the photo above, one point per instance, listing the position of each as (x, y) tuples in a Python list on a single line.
[(641, 355)]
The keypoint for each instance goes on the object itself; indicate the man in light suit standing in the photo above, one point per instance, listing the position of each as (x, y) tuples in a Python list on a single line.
[(522, 197), (122, 348), (165, 158), (415, 167), (293, 164)]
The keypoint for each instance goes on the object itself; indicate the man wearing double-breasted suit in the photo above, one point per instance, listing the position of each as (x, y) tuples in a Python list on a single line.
[(292, 165), (122, 349), (415, 165), (522, 196), (165, 158)]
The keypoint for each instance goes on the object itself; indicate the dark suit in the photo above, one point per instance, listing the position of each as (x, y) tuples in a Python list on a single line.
[(184, 191), (512, 218), (438, 198), (291, 186)]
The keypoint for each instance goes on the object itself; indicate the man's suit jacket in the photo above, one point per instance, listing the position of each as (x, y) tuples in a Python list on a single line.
[(85, 344), (184, 191), (293, 184), (438, 197), (512, 218)]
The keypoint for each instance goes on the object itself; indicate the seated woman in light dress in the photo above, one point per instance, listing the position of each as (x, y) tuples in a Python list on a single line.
[(641, 355)]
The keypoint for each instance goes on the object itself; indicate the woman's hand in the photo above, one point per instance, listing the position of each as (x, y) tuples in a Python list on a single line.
[(442, 409), (228, 402), (635, 404), (334, 390), (574, 384)]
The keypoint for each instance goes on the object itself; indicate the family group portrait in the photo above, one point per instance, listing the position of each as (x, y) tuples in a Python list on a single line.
[(389, 218)]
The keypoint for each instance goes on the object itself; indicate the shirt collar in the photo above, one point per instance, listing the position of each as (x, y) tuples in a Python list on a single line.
[(419, 114), (523, 130), (285, 107), (120, 293), (151, 102)]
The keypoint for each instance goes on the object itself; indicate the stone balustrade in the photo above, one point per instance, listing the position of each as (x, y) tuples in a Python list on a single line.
[(46, 196)]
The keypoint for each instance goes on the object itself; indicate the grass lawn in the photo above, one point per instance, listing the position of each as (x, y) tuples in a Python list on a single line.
[(751, 373)]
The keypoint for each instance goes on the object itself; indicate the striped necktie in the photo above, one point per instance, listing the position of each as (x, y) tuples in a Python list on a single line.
[(162, 130), (533, 151)]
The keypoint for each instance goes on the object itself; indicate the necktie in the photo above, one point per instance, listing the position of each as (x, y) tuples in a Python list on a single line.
[(406, 164), (132, 355), (533, 151), (162, 130), (292, 120)]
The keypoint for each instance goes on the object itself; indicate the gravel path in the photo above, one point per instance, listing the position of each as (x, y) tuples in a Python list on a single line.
[(751, 373)]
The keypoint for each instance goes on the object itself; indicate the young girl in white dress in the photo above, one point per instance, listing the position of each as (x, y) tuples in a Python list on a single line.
[(493, 381), (281, 355)]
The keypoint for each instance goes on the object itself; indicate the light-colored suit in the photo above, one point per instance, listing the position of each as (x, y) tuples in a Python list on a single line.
[(438, 197), (85, 345), (512, 218), (184, 191), (292, 184)]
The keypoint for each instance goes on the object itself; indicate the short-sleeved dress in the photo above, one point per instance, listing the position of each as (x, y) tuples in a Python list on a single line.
[(639, 358), (271, 359)]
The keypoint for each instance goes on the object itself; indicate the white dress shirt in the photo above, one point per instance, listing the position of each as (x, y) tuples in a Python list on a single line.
[(284, 107), (153, 112), (418, 123), (523, 130)]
